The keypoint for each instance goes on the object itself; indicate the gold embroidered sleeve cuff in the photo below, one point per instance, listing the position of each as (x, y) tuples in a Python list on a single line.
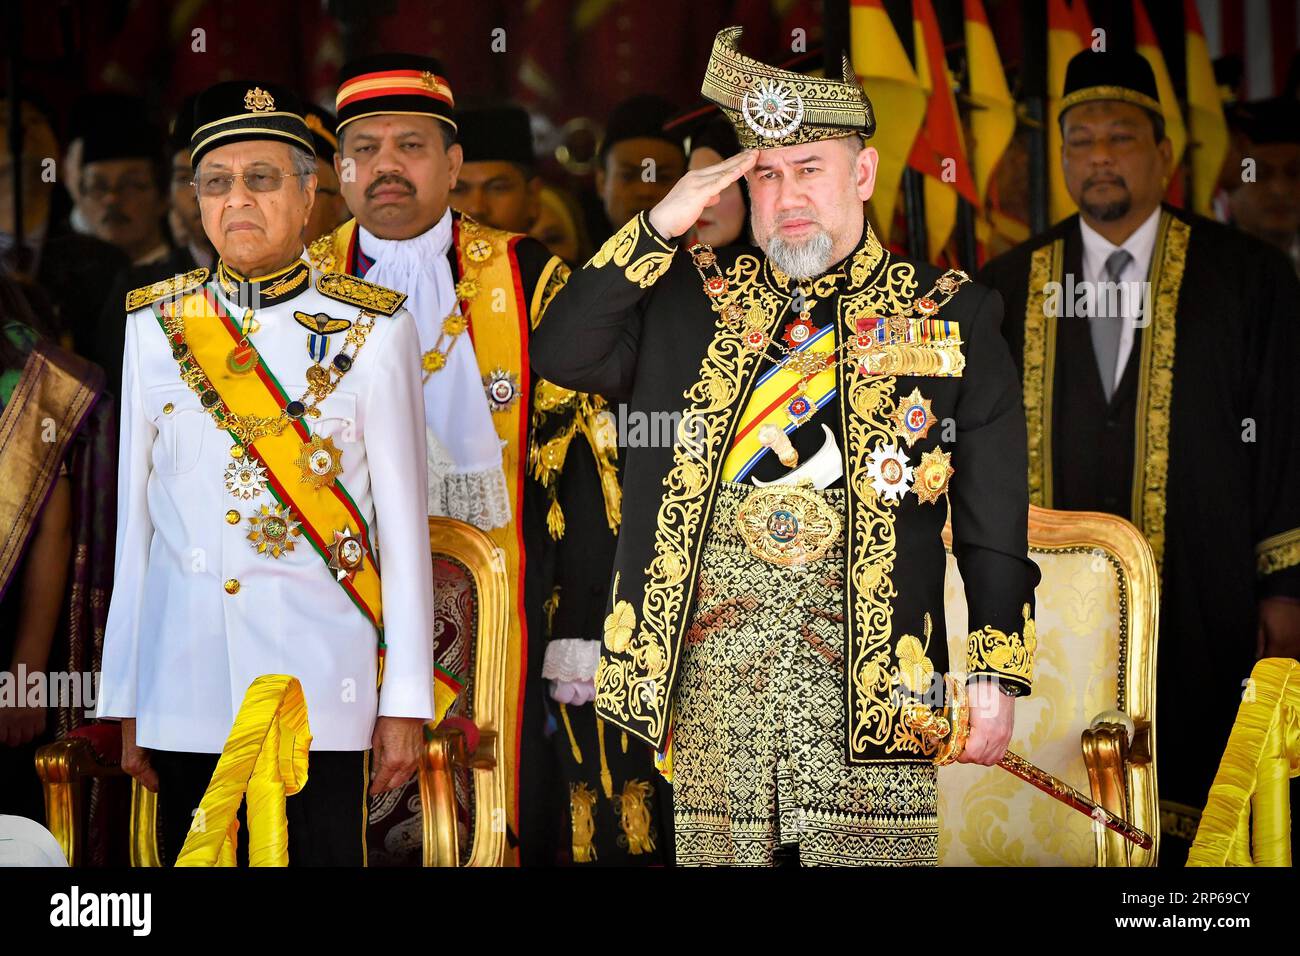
[(1278, 553), (638, 250), (991, 653)]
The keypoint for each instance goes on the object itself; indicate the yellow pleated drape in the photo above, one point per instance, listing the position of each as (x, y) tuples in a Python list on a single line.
[(1247, 818), (265, 760)]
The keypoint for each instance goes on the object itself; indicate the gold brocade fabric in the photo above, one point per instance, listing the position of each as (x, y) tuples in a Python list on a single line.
[(758, 733)]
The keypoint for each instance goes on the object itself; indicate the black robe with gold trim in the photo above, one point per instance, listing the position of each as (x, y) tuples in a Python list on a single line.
[(1199, 447), (636, 323)]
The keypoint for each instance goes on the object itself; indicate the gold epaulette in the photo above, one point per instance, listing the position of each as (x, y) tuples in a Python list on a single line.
[(166, 289), (359, 292)]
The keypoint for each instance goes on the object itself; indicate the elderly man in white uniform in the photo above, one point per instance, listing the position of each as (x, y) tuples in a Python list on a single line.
[(272, 468)]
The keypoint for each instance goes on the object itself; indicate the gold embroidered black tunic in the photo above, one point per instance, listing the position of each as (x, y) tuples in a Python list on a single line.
[(635, 324)]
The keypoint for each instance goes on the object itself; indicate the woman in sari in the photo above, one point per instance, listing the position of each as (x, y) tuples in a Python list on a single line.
[(56, 500)]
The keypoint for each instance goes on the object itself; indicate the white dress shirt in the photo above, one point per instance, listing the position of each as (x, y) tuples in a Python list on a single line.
[(1096, 250), (179, 651)]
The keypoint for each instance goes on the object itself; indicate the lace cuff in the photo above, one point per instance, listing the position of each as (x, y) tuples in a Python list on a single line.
[(480, 498), (571, 659)]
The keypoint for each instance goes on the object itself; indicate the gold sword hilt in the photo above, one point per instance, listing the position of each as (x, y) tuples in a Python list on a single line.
[(949, 729)]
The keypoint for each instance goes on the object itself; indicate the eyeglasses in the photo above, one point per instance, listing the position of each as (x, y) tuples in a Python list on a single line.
[(262, 181)]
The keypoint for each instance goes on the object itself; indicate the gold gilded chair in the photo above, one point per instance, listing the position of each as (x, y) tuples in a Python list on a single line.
[(462, 792), (1090, 719), (67, 768), (1247, 817)]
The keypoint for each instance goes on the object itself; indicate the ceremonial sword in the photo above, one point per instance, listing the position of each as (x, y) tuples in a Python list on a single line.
[(950, 728)]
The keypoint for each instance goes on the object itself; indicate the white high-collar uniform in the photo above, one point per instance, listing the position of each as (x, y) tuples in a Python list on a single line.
[(466, 480), (179, 651)]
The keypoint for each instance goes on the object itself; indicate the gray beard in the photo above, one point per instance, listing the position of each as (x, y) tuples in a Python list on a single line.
[(801, 260)]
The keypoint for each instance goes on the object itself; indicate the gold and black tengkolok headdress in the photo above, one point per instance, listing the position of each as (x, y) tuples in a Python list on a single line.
[(771, 107)]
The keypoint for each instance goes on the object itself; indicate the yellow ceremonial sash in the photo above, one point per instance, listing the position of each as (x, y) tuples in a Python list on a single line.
[(772, 395), (265, 757), (500, 338), (211, 333)]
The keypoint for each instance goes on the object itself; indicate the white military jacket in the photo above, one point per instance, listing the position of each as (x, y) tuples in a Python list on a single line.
[(197, 613)]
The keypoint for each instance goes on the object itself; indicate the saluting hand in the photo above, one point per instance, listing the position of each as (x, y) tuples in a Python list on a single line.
[(696, 191)]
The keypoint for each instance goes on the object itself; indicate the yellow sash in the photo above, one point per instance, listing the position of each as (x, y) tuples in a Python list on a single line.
[(772, 395), (499, 338), (211, 333), (265, 756)]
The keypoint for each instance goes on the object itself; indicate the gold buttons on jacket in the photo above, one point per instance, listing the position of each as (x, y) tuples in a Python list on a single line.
[(232, 586), (232, 516), (168, 408)]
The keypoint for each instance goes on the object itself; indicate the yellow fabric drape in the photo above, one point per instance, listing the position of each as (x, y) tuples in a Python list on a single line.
[(265, 758), (1063, 42), (1247, 819), (897, 96)]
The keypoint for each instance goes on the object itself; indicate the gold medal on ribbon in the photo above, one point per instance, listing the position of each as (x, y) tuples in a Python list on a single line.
[(320, 462), (242, 359)]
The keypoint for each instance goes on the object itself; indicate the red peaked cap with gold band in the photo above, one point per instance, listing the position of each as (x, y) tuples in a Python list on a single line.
[(404, 83)]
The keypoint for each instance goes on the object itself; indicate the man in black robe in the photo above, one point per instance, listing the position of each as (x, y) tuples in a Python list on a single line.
[(777, 633), (1174, 407)]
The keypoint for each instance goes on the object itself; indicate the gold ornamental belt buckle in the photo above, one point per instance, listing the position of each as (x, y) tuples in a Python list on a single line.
[(788, 524)]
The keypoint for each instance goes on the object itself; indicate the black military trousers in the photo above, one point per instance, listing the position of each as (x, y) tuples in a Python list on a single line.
[(327, 818)]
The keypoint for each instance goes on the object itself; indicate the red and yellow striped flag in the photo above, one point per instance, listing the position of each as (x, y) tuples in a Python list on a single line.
[(1149, 46), (896, 95), (1208, 130), (939, 151), (1064, 40), (993, 120)]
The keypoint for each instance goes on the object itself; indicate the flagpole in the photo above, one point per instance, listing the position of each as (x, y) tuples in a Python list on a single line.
[(835, 34), (1033, 92)]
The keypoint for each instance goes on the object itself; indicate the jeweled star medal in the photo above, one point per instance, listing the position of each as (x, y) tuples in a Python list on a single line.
[(245, 478), (272, 530), (889, 472), (932, 476), (798, 332), (799, 409), (502, 389), (320, 462), (346, 554), (913, 418)]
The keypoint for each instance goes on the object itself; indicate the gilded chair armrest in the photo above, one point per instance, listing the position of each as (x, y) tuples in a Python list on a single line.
[(62, 766), (444, 749)]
